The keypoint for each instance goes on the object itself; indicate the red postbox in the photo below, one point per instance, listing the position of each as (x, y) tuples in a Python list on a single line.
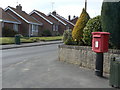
[(100, 42)]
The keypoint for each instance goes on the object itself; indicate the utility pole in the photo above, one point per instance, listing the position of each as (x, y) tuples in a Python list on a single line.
[(52, 5), (85, 5)]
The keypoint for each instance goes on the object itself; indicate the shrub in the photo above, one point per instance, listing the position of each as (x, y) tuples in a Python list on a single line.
[(66, 34), (93, 25), (69, 41), (46, 33), (77, 32), (110, 16), (6, 32), (67, 37)]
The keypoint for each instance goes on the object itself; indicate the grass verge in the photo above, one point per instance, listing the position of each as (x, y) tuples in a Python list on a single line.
[(11, 40)]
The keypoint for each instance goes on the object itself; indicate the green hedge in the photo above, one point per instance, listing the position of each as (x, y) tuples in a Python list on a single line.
[(93, 25), (111, 21)]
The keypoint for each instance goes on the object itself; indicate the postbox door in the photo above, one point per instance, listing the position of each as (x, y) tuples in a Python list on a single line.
[(97, 44)]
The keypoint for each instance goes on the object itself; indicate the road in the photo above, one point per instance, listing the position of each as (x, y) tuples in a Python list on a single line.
[(38, 67)]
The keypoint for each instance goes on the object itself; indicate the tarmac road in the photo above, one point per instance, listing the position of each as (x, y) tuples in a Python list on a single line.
[(38, 67)]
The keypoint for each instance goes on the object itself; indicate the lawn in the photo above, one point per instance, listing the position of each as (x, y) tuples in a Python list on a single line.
[(11, 40)]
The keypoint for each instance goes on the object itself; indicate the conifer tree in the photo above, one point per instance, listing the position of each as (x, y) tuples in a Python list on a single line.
[(77, 33)]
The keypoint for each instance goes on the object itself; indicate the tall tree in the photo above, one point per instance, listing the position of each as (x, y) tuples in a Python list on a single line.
[(110, 16)]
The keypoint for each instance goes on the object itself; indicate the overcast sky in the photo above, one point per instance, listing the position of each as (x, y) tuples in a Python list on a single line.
[(62, 7)]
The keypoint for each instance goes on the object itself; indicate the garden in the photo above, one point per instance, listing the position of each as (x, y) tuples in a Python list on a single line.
[(11, 40), (8, 37), (108, 21), (77, 42)]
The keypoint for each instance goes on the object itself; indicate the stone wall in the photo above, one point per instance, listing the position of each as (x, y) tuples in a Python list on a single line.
[(84, 56)]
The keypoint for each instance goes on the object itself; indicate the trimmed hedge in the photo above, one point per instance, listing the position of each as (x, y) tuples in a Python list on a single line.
[(46, 33), (77, 32), (111, 21)]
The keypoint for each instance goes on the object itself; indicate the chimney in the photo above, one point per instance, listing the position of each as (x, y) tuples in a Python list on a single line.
[(74, 17), (69, 17), (54, 13), (19, 7)]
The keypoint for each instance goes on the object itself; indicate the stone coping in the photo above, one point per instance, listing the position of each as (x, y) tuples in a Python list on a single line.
[(114, 51)]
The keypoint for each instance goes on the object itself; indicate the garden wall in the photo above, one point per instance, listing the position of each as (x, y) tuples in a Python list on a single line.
[(84, 56)]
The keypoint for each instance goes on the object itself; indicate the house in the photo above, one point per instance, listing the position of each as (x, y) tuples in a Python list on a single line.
[(8, 21), (48, 23), (29, 25), (74, 20), (0, 22), (64, 23)]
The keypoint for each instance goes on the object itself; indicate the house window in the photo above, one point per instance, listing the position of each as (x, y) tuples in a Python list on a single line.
[(56, 27), (15, 27), (53, 27), (2, 24), (34, 28)]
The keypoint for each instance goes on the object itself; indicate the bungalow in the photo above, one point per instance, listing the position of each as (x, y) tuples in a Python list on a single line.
[(74, 20), (0, 22), (9, 21), (48, 23), (65, 24), (29, 25), (62, 25)]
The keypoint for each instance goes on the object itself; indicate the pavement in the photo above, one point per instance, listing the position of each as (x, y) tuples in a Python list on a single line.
[(11, 46)]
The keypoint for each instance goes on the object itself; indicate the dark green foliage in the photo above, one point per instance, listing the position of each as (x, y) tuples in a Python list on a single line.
[(111, 21), (93, 25), (6, 32), (46, 33)]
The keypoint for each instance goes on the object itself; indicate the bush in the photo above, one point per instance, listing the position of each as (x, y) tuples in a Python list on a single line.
[(69, 41), (111, 21), (77, 32), (67, 37), (46, 33), (66, 34), (6, 32), (93, 25)]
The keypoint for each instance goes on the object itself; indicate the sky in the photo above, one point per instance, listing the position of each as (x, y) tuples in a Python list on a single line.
[(62, 7)]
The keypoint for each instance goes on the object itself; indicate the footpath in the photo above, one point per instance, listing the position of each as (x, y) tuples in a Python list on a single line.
[(11, 46)]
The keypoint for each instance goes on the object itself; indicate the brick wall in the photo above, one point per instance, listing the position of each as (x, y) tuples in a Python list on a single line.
[(46, 25), (24, 27), (84, 56), (0, 22)]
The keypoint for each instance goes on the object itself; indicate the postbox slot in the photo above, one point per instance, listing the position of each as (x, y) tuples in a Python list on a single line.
[(97, 36)]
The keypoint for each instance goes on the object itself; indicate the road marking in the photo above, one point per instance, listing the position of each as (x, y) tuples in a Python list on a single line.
[(26, 69)]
